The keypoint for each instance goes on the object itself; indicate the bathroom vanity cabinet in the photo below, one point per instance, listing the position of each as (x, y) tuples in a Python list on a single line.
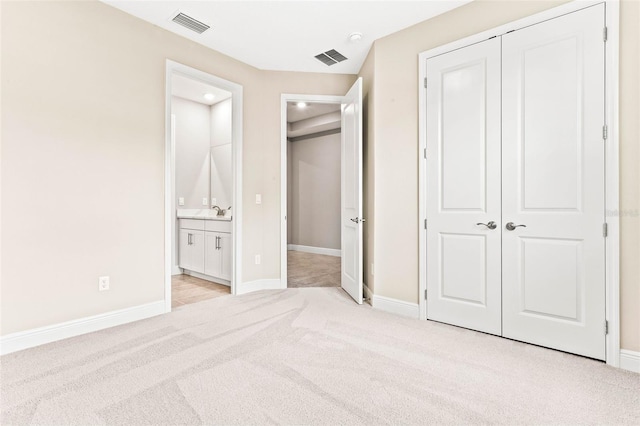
[(206, 248)]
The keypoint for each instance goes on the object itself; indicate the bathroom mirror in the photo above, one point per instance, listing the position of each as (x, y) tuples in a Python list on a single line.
[(201, 127), (220, 186)]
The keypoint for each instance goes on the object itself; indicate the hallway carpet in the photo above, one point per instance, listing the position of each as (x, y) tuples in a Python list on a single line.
[(305, 356)]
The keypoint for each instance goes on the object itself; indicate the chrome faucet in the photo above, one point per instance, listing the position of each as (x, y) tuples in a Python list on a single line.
[(220, 211)]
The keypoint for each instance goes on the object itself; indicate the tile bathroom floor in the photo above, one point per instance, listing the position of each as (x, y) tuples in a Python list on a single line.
[(186, 289)]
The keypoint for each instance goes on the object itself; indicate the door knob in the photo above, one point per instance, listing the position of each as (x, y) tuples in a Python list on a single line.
[(356, 220), (511, 226), (490, 225)]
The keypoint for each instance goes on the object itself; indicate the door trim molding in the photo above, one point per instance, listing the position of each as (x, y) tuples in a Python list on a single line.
[(284, 98), (612, 176), (236, 141)]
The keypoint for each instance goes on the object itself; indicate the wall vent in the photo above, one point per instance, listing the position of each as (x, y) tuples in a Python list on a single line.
[(190, 23), (331, 57)]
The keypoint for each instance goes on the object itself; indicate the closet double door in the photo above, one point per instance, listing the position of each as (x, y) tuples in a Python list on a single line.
[(515, 185)]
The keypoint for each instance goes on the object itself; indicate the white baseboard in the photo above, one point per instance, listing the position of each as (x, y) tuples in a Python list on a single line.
[(315, 250), (39, 336), (395, 306), (630, 360), (207, 278), (175, 270), (250, 286)]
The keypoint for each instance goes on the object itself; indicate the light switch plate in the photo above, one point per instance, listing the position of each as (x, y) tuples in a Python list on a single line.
[(258, 198), (214, 201), (181, 201), (258, 259), (205, 201)]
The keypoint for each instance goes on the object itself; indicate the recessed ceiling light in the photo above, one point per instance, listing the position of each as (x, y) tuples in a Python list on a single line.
[(209, 96), (355, 37), (301, 104)]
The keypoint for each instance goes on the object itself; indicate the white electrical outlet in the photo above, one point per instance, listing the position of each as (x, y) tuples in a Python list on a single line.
[(181, 201), (103, 283), (258, 198), (205, 201), (214, 201), (372, 269), (257, 259)]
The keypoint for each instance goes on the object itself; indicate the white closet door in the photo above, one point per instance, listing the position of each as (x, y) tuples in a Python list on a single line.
[(463, 187), (553, 183)]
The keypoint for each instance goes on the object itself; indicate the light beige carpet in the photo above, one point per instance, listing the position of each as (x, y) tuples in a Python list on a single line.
[(305, 356)]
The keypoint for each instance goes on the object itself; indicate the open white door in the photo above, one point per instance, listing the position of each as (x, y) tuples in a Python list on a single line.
[(352, 192)]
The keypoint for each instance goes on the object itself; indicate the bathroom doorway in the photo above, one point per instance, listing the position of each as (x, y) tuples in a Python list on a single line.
[(202, 186)]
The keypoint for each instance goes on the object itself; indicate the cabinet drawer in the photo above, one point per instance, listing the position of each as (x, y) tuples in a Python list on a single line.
[(196, 224), (217, 225)]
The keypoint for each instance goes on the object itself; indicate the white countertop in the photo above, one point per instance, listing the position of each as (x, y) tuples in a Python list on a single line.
[(203, 214)]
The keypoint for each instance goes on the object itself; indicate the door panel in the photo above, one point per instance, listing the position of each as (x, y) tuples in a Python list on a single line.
[(553, 182), (466, 284), (463, 187), (351, 228)]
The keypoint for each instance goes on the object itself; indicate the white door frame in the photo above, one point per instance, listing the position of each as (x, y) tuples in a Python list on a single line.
[(169, 160), (284, 99), (612, 264)]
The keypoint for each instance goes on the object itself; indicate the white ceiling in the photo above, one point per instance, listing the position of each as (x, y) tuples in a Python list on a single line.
[(194, 90), (294, 113), (313, 118), (286, 35)]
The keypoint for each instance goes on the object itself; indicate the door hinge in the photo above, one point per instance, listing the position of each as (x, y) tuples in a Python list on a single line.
[(425, 82), (606, 327), (605, 230), (425, 294), (425, 153), (605, 132), (425, 224), (605, 36)]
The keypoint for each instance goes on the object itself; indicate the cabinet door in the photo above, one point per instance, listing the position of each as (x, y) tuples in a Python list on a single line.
[(184, 253), (226, 249), (197, 251), (212, 261), (192, 250)]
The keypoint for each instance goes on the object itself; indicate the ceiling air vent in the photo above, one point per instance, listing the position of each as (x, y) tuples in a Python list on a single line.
[(190, 23), (331, 57)]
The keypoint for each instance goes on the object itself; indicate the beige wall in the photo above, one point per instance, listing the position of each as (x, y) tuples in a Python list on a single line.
[(83, 92), (368, 166), (313, 206), (630, 175), (396, 144)]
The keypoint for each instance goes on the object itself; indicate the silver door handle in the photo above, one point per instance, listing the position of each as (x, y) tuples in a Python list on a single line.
[(356, 220), (188, 239), (217, 243), (490, 225), (511, 226)]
